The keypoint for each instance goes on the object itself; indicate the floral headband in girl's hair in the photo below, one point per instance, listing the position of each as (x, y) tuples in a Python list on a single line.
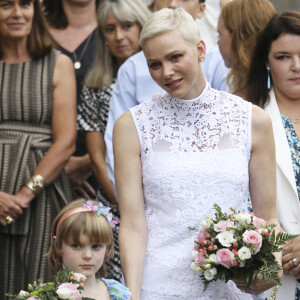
[(88, 206)]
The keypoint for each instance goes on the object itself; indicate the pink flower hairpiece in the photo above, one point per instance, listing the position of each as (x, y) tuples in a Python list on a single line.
[(99, 209), (102, 210)]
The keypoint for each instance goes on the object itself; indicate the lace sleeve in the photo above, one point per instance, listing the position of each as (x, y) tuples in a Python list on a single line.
[(93, 109)]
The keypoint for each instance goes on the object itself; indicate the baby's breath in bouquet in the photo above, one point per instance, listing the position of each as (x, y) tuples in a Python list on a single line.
[(67, 285), (236, 246)]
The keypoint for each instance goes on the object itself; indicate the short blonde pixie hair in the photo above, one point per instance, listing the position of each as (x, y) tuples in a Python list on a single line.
[(166, 20), (96, 228)]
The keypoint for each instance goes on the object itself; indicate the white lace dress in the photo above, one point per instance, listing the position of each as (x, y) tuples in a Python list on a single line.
[(194, 153)]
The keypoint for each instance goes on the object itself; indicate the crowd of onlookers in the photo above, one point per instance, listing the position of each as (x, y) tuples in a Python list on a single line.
[(69, 69)]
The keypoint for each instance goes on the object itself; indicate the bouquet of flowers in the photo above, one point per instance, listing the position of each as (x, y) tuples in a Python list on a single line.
[(67, 285), (236, 246)]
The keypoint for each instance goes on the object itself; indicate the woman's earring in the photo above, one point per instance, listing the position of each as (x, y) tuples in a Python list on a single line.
[(269, 78)]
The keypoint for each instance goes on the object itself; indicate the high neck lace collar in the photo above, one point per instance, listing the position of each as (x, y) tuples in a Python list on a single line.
[(201, 98)]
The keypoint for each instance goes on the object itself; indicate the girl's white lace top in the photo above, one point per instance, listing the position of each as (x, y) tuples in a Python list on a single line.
[(194, 153)]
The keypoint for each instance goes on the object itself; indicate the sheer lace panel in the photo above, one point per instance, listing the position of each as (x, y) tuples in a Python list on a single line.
[(215, 120)]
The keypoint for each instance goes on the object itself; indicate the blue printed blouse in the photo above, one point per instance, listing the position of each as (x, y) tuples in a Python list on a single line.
[(116, 290), (294, 145)]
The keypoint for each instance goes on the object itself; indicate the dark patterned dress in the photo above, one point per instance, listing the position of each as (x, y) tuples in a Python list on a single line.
[(26, 99), (294, 145), (92, 116)]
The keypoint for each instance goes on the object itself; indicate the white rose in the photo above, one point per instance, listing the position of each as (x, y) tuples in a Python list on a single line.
[(243, 218), (23, 293), (212, 259), (193, 254), (196, 267), (226, 238), (210, 274), (205, 224), (63, 293), (244, 253)]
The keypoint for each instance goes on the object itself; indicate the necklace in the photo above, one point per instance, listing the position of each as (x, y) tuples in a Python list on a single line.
[(77, 62), (296, 121)]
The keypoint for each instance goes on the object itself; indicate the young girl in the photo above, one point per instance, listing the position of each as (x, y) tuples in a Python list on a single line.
[(83, 242)]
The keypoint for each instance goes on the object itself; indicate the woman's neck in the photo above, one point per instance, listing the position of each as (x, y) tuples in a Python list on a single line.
[(81, 23), (289, 106), (15, 51), (80, 15)]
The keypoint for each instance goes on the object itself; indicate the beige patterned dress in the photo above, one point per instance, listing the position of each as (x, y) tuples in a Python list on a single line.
[(26, 95)]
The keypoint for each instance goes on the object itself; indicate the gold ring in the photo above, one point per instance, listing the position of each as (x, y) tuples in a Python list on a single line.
[(9, 219)]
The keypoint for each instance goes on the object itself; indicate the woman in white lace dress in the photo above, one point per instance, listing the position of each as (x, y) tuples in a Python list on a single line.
[(178, 154)]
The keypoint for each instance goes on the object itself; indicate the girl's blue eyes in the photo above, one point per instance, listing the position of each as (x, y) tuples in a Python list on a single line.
[(95, 246)]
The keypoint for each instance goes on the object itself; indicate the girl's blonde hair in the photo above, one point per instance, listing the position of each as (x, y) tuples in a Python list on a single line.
[(166, 20), (96, 228), (244, 19), (101, 75)]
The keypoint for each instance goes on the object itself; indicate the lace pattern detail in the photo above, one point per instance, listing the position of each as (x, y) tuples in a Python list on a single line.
[(194, 153), (216, 120)]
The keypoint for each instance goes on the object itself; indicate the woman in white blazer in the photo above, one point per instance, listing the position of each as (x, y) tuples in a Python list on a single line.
[(274, 84)]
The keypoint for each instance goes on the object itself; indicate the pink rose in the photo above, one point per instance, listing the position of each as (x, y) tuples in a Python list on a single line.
[(67, 290), (222, 225), (257, 222), (200, 259), (254, 238), (31, 298), (225, 258), (201, 235)]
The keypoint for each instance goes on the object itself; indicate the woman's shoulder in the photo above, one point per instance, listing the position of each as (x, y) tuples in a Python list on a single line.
[(63, 68), (116, 290), (260, 119)]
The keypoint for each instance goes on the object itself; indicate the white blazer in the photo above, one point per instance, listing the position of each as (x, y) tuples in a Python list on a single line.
[(288, 207)]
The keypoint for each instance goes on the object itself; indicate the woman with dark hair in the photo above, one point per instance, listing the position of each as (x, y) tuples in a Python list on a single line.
[(274, 84), (37, 138), (73, 25)]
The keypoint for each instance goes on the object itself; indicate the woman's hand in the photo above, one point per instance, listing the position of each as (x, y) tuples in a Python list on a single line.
[(257, 286), (78, 169), (9, 207), (292, 251)]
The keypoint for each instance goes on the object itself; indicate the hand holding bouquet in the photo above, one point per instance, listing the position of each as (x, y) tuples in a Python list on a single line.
[(237, 246), (67, 285)]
